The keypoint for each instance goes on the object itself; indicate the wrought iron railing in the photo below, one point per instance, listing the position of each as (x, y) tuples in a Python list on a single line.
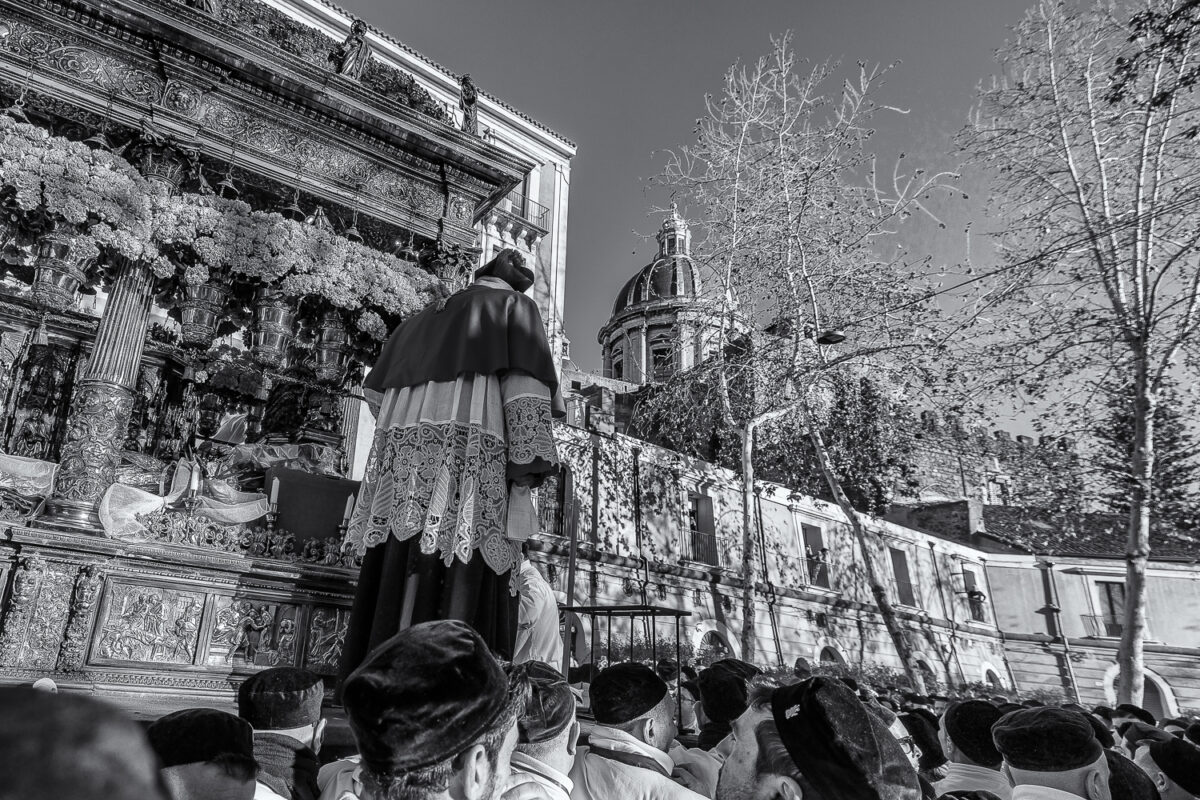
[(525, 208), (704, 548), (1101, 626)]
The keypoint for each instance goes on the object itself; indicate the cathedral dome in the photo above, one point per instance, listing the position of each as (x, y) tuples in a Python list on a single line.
[(669, 278)]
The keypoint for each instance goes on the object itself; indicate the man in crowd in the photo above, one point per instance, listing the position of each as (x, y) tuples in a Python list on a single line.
[(966, 737), (538, 634), (626, 757), (1051, 754), (1127, 712), (1174, 766), (205, 754), (283, 705), (435, 716), (722, 698), (69, 747), (547, 731), (813, 739)]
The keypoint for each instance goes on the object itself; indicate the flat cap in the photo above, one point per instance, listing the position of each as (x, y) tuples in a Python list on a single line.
[(623, 692), (1046, 739), (194, 735), (281, 697), (968, 725), (424, 696), (843, 749), (550, 707), (1179, 761)]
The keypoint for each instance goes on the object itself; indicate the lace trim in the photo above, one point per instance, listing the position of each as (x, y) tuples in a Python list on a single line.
[(529, 431), (444, 482)]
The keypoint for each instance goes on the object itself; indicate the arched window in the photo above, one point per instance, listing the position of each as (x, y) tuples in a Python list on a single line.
[(831, 656), (715, 646), (931, 678), (616, 360), (992, 679)]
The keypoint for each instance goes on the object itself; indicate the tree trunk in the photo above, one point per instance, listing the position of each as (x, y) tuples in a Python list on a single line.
[(1130, 662), (878, 590), (749, 610)]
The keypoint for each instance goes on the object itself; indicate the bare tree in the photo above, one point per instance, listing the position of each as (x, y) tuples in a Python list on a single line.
[(1100, 198), (798, 243)]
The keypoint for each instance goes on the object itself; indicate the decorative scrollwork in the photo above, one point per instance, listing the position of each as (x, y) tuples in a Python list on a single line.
[(79, 624), (92, 451), (26, 579)]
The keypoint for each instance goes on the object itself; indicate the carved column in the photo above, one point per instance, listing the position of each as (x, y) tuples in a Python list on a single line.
[(103, 401)]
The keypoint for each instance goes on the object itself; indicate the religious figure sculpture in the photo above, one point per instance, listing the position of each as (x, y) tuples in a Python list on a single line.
[(351, 56), (466, 390), (467, 99)]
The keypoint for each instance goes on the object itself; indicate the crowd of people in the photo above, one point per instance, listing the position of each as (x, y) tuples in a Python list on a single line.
[(436, 715)]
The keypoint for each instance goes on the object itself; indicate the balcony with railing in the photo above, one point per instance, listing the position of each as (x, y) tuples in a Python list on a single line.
[(1099, 626), (518, 219), (703, 548), (818, 572)]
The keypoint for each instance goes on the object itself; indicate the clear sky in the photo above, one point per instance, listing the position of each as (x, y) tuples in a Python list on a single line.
[(625, 79)]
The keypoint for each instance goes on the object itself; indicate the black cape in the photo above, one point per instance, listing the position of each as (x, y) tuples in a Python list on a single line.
[(486, 329)]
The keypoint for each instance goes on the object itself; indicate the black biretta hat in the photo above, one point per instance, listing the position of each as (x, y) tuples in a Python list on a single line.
[(968, 724), (1046, 739), (550, 707), (194, 735), (1179, 761), (424, 696), (840, 747), (281, 697), (623, 692)]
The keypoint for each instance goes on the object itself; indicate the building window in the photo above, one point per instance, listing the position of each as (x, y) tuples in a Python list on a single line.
[(662, 359), (975, 595), (703, 535), (715, 646), (831, 656), (1111, 620), (816, 556), (904, 588)]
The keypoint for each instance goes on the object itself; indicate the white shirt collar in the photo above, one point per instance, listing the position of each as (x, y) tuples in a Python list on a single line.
[(1029, 791)]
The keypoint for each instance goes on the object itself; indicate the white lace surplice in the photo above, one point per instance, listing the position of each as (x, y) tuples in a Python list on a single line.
[(441, 461)]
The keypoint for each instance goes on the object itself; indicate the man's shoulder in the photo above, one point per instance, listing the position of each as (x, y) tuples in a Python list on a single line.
[(264, 792)]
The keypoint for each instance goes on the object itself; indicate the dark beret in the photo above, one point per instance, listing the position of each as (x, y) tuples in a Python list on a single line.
[(853, 684), (1179, 761), (968, 724), (1193, 733), (281, 697), (194, 735), (1103, 734), (1134, 732), (667, 669), (550, 707), (1173, 723), (1046, 739), (925, 734), (623, 692), (1104, 712), (1127, 781), (71, 747), (424, 696), (722, 687), (1137, 712), (839, 746)]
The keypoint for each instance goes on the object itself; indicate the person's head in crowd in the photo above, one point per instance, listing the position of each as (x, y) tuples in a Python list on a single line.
[(1126, 780), (853, 684), (925, 735), (205, 754), (632, 698), (46, 685), (888, 703), (1128, 711), (285, 701), (434, 713), (667, 669), (1054, 748), (689, 672), (801, 668), (1103, 712), (723, 697), (1008, 708), (966, 734), (1104, 734), (940, 702), (1174, 767), (57, 746), (813, 739), (1192, 734), (1135, 734), (907, 742), (1176, 727), (1031, 703), (547, 730)]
